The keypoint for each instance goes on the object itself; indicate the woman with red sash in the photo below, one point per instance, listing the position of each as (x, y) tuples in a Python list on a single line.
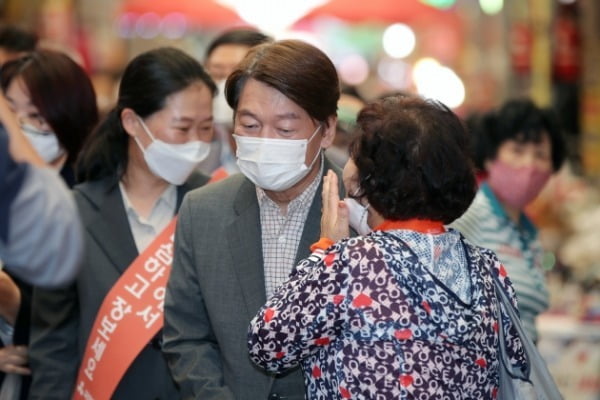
[(406, 309), (136, 168)]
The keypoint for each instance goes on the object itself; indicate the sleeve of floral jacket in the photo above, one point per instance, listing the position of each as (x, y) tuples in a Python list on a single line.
[(309, 309)]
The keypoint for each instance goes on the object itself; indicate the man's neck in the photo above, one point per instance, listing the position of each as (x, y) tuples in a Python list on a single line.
[(283, 198)]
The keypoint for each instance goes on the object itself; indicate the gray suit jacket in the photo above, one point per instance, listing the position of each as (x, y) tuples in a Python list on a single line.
[(216, 287), (62, 319)]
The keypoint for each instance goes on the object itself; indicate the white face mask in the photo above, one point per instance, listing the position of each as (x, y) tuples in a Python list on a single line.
[(274, 164), (45, 143), (222, 113), (173, 162), (358, 215)]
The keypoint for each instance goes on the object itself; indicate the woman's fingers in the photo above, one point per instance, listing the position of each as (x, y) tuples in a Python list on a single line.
[(333, 197), (16, 369), (16, 355), (325, 194), (343, 218), (327, 219), (13, 359), (334, 221), (19, 350)]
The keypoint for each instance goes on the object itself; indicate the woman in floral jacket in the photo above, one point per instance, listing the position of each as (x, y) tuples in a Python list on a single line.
[(407, 309)]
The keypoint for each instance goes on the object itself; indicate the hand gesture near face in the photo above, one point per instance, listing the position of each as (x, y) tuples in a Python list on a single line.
[(334, 220)]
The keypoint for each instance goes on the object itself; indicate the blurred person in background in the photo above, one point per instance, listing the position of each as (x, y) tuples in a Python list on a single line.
[(473, 125), (238, 239), (40, 234), (349, 105), (15, 42), (136, 168), (55, 104), (407, 309), (223, 54), (40, 243), (519, 146)]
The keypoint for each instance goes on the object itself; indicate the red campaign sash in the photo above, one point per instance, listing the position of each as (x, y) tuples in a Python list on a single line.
[(130, 316)]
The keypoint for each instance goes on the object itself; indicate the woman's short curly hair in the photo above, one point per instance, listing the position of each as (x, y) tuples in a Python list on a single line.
[(412, 160)]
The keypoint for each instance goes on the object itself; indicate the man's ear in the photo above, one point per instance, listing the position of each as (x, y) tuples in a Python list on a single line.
[(329, 132), (130, 121)]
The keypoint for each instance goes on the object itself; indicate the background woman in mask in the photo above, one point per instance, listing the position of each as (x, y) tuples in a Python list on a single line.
[(55, 103), (137, 166), (407, 310), (519, 146)]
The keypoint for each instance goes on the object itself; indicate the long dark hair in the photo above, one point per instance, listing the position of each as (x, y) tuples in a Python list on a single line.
[(148, 80)]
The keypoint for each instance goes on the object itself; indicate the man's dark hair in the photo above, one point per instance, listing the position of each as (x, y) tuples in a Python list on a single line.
[(300, 71), (239, 36)]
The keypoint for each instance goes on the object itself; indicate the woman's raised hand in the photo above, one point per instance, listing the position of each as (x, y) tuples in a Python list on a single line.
[(334, 219)]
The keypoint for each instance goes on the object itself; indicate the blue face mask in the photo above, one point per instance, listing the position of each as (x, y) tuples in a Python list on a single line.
[(45, 143)]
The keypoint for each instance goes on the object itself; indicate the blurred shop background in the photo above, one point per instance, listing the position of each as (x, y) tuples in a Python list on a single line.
[(470, 54)]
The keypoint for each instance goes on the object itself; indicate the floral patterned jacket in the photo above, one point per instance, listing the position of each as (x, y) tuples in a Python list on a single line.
[(368, 320)]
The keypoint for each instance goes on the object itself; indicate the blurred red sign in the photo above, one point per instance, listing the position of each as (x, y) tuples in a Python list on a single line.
[(521, 44)]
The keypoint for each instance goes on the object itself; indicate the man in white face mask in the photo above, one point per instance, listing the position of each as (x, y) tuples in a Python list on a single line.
[(284, 96), (223, 54)]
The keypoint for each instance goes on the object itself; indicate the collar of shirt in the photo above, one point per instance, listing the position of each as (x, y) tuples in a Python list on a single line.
[(145, 229), (166, 201), (525, 223), (303, 200)]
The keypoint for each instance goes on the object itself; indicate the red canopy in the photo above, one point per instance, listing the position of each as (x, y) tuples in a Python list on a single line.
[(378, 10), (210, 13), (198, 12)]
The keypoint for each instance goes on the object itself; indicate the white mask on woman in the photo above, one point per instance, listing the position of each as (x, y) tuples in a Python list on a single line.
[(274, 164), (358, 214), (173, 162), (45, 143)]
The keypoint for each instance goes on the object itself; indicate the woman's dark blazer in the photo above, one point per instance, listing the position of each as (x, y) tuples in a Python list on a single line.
[(62, 319)]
